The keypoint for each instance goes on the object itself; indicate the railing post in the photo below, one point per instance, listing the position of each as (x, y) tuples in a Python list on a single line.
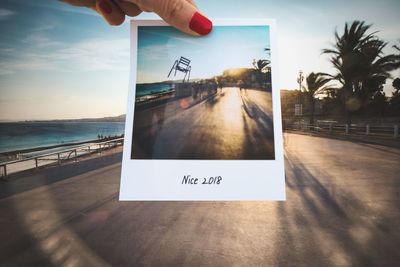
[(347, 129), (396, 131), (367, 130), (5, 170)]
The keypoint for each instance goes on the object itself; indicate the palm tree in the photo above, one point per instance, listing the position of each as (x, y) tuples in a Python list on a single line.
[(397, 47), (394, 102), (316, 84), (361, 67), (262, 66), (396, 84)]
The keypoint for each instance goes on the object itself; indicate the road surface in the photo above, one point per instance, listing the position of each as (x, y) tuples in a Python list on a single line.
[(342, 209), (233, 124)]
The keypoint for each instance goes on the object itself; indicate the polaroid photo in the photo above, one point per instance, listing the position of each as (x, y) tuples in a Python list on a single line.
[(203, 120)]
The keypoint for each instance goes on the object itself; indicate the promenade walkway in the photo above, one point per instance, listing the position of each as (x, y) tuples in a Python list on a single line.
[(342, 209), (232, 124)]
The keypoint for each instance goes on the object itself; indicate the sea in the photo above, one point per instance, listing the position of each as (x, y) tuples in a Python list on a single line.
[(27, 135), (152, 88)]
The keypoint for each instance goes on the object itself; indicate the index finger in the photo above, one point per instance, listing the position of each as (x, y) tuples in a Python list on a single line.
[(181, 14)]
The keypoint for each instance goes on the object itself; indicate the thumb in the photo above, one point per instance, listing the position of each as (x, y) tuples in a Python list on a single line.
[(182, 14)]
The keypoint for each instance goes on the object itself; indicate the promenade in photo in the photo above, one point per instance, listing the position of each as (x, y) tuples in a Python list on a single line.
[(231, 123)]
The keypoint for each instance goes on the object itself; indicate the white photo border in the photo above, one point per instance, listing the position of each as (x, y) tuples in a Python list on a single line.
[(243, 180)]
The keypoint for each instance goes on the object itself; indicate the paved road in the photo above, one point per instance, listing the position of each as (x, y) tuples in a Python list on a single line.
[(233, 124), (342, 209)]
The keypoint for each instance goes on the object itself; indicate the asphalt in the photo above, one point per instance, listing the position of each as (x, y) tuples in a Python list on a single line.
[(232, 124), (342, 209)]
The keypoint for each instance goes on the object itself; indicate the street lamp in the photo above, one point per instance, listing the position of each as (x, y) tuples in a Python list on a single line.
[(300, 79), (298, 108)]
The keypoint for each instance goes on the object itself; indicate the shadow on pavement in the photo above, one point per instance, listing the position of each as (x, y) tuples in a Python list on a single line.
[(263, 120), (329, 224), (19, 183)]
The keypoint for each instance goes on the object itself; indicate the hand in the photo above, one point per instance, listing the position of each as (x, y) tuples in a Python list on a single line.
[(182, 14)]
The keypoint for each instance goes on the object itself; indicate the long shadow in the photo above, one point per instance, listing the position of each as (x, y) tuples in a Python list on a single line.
[(335, 215), (18, 183), (312, 193), (301, 173), (264, 131), (253, 145), (263, 120), (17, 239), (213, 100)]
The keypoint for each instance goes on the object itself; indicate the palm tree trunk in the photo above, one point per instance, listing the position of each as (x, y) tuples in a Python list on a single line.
[(312, 110), (346, 92)]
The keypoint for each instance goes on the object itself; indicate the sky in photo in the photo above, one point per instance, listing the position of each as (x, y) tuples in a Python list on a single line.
[(226, 47), (59, 61)]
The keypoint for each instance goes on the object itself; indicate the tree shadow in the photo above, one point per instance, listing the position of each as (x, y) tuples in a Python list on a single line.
[(325, 224), (263, 120)]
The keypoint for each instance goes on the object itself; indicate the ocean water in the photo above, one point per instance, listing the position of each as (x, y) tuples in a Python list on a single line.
[(153, 88), (23, 135)]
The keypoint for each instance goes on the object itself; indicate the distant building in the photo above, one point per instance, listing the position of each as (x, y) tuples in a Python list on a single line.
[(289, 98)]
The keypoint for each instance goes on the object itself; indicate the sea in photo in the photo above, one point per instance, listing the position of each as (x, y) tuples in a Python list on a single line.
[(28, 135), (153, 88)]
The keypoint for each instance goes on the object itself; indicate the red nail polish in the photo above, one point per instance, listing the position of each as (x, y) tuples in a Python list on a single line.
[(105, 7), (200, 24)]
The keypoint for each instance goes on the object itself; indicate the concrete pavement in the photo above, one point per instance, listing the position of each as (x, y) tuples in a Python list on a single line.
[(342, 209), (233, 124)]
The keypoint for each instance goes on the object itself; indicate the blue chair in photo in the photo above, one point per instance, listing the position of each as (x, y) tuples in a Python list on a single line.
[(182, 65)]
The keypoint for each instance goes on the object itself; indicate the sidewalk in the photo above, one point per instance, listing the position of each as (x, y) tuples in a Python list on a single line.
[(374, 140), (27, 167)]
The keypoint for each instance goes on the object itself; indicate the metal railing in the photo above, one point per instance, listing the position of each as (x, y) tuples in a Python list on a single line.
[(38, 160), (353, 129)]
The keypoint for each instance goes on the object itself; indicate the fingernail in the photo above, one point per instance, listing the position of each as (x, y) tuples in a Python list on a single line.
[(105, 7), (200, 24)]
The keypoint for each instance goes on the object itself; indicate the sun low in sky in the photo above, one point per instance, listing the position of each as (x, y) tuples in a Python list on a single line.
[(225, 48), (60, 62)]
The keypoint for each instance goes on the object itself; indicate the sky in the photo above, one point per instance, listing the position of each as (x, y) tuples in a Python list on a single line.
[(59, 61), (224, 48)]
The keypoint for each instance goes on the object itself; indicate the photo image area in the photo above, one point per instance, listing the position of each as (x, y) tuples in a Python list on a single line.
[(203, 98)]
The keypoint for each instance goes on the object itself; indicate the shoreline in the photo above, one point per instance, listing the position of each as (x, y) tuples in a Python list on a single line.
[(14, 153), (117, 119)]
